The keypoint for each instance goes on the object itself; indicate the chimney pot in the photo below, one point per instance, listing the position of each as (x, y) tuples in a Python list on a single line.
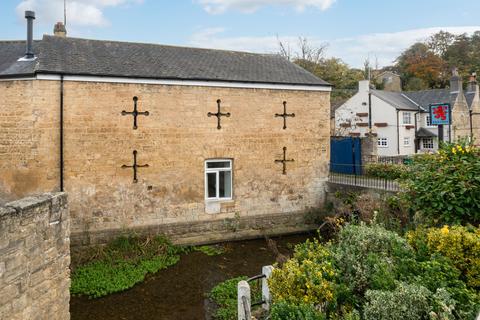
[(59, 30)]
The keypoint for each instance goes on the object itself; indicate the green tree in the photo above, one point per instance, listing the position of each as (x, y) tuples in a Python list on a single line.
[(440, 42)]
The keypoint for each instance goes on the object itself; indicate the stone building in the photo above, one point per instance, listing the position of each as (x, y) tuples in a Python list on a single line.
[(151, 138), (401, 120), (389, 81)]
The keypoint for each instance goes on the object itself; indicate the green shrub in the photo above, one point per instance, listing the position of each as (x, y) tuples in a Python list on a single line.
[(424, 275), (460, 244), (406, 302), (289, 311), (306, 278), (371, 258), (445, 187), (122, 264), (224, 295), (385, 170)]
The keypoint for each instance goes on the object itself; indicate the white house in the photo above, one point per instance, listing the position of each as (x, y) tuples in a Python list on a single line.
[(400, 120)]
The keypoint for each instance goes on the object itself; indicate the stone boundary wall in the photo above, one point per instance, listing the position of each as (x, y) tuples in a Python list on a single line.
[(212, 231), (35, 258)]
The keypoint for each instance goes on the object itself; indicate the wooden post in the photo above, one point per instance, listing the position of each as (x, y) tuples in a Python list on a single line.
[(244, 301), (267, 272)]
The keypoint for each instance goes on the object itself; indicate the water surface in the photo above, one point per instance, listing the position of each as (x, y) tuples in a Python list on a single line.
[(178, 293)]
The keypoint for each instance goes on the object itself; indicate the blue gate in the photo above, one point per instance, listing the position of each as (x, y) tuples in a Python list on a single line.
[(345, 155)]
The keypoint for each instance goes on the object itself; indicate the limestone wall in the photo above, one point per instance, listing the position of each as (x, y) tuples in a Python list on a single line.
[(460, 119), (35, 258), (29, 135), (174, 140)]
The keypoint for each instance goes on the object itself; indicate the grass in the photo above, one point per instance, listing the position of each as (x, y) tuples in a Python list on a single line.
[(225, 297), (122, 264)]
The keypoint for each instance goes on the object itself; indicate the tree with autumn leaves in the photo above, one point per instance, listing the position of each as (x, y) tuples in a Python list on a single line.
[(428, 64)]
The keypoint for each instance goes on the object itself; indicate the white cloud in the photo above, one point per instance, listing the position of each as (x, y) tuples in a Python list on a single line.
[(384, 46), (250, 6), (79, 12)]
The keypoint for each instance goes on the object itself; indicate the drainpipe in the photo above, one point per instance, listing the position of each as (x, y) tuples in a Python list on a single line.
[(369, 110), (398, 133), (471, 125), (416, 124), (61, 133)]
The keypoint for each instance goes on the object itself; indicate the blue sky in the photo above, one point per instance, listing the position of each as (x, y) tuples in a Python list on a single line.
[(353, 29)]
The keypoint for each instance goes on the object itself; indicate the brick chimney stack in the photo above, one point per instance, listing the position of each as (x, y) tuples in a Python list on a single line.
[(59, 30), (456, 83), (472, 83)]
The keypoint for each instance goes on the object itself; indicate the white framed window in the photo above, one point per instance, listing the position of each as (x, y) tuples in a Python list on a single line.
[(218, 179), (407, 118), (382, 142), (427, 143), (406, 141)]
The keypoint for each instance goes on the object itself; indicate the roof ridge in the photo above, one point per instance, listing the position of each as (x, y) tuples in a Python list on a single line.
[(158, 44), (426, 90)]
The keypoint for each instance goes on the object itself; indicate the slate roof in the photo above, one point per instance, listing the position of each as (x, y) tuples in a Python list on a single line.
[(426, 133), (396, 99), (426, 97), (411, 100), (76, 56), (469, 96)]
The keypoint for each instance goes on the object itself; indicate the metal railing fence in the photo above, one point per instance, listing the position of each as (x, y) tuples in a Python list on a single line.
[(356, 175)]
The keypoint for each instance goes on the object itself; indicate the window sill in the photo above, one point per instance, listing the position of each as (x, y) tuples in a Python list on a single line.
[(215, 206), (220, 200)]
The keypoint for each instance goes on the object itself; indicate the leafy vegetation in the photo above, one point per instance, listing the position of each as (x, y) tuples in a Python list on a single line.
[(385, 170), (445, 187), (428, 64), (458, 243), (368, 272), (284, 310), (225, 297), (306, 278), (122, 264), (214, 250)]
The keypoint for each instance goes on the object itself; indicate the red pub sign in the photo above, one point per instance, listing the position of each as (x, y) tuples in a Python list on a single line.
[(440, 113)]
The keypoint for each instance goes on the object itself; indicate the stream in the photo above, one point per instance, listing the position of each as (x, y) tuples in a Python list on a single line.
[(179, 292)]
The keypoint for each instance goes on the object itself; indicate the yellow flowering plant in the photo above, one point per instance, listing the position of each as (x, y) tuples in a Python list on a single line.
[(307, 278), (458, 243)]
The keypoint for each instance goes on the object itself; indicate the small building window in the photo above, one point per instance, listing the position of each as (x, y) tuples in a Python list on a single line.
[(407, 118), (382, 142), (218, 179), (406, 141), (428, 121), (427, 143)]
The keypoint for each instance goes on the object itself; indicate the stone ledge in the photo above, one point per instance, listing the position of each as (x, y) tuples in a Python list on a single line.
[(209, 231), (22, 205), (7, 211)]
